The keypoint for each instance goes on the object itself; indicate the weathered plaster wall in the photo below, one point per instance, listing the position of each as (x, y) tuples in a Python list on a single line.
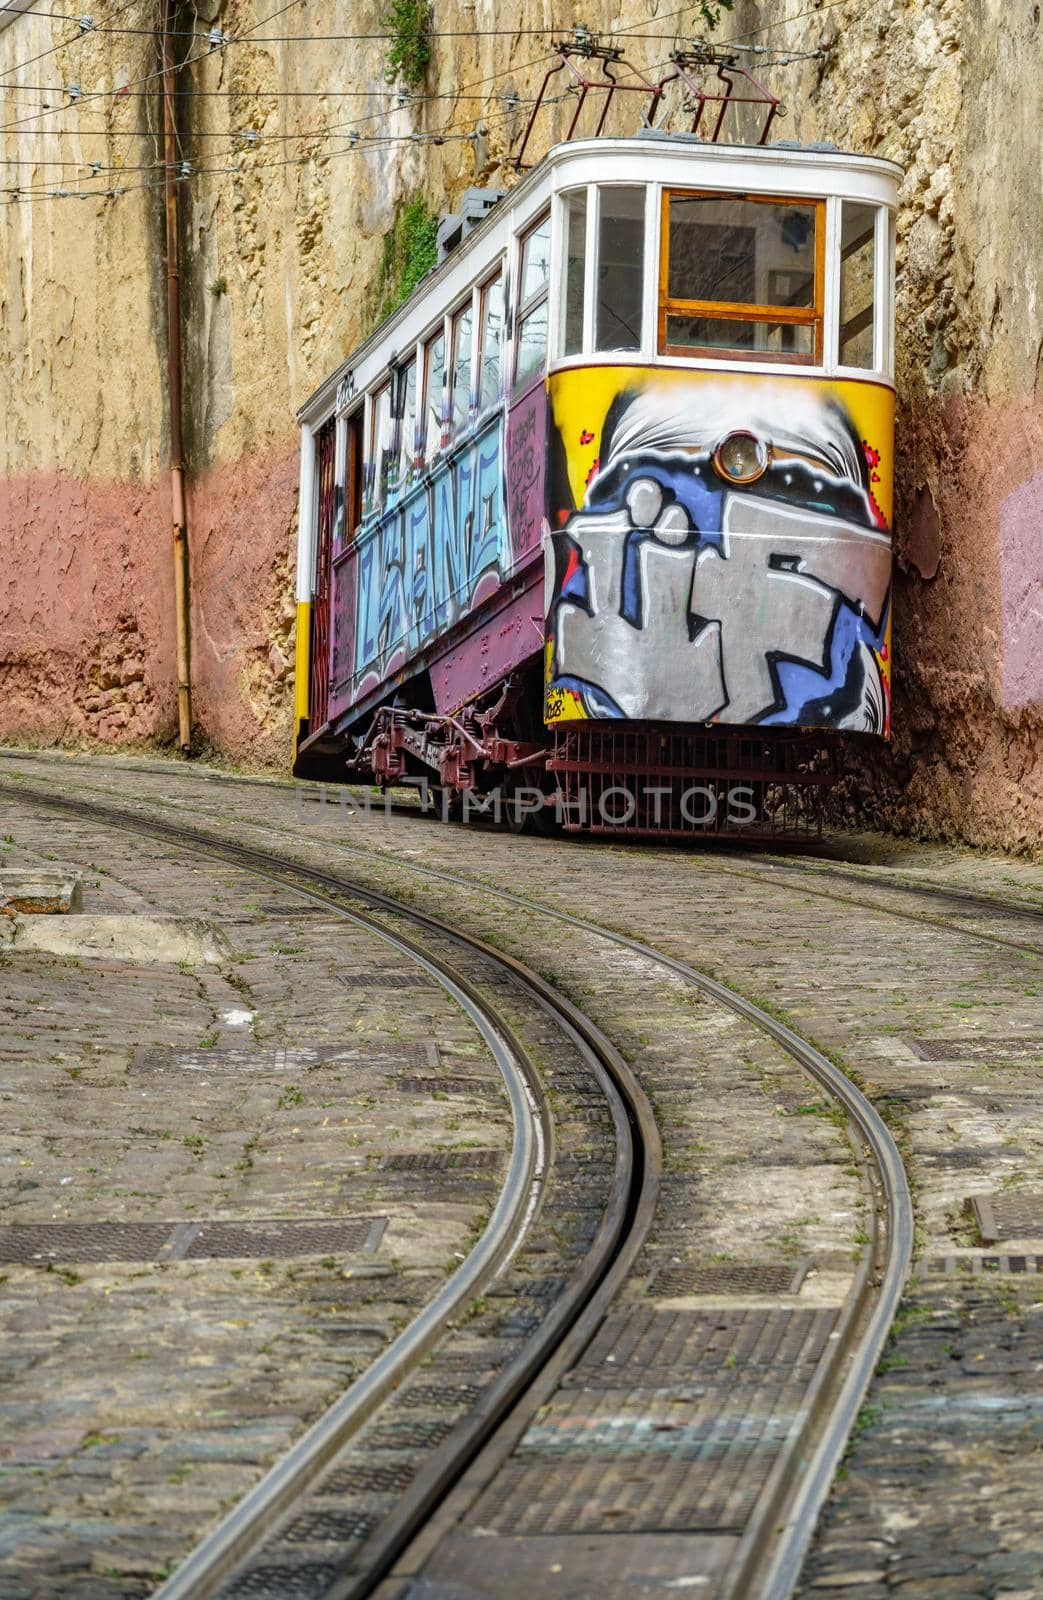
[(954, 92), (281, 259), (85, 583)]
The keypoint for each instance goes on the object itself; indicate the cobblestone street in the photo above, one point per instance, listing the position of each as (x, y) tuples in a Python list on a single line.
[(199, 1048)]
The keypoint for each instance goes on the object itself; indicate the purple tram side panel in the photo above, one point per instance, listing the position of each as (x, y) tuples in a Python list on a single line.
[(525, 472), (343, 628)]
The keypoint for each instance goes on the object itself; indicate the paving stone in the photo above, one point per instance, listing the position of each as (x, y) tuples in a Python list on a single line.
[(948, 1456)]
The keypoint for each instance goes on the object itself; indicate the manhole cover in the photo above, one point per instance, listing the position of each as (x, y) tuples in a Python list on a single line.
[(726, 1277), (440, 1160), (177, 1241), (1008, 1216)]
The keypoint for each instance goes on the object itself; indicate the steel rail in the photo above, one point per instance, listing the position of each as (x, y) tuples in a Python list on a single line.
[(771, 1550), (226, 1546), (575, 1314), (939, 892)]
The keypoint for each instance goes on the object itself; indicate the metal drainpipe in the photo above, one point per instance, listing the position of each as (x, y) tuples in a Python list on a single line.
[(177, 472)]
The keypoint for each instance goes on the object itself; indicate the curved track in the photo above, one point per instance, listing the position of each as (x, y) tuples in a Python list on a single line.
[(770, 1551)]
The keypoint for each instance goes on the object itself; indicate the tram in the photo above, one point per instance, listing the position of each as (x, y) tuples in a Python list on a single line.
[(606, 503)]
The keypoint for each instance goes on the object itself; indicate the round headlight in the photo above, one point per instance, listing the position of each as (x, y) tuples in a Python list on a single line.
[(741, 458)]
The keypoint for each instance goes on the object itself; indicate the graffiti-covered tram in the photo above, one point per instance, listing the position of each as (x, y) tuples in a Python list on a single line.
[(606, 504)]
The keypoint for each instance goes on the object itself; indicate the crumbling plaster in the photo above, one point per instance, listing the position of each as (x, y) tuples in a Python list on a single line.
[(280, 263)]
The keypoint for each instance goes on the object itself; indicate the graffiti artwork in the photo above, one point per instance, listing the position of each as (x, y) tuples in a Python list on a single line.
[(719, 551)]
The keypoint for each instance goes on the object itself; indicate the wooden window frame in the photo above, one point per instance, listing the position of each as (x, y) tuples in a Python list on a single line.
[(735, 311)]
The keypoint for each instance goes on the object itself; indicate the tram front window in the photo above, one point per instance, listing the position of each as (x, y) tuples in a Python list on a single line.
[(534, 276), (621, 268), (742, 275), (857, 299), (575, 270)]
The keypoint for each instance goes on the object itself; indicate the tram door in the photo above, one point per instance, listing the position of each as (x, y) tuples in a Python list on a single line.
[(318, 700)]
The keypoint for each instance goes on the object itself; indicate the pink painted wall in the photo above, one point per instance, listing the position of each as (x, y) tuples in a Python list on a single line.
[(1021, 594), (86, 590), (242, 521)]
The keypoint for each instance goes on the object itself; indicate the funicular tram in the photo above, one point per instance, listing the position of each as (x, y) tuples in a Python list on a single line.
[(605, 505)]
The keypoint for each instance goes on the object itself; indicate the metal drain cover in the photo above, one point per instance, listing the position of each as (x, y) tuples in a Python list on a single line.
[(238, 1058), (446, 1085), (1008, 1216), (1014, 1047), (304, 1580), (440, 1160), (978, 1265), (275, 1237), (726, 1277), (575, 1497)]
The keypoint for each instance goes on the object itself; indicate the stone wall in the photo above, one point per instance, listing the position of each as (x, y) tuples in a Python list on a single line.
[(281, 263)]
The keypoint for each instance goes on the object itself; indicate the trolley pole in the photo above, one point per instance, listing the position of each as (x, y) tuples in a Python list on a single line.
[(179, 513)]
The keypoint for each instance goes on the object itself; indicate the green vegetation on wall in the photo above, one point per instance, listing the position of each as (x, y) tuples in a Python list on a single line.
[(410, 251), (409, 48), (710, 11)]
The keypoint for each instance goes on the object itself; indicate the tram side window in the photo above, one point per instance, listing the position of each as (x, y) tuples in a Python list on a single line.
[(383, 457), (532, 303), (407, 431), (621, 268), (463, 328), (575, 271), (492, 341), (434, 361), (857, 297), (741, 276)]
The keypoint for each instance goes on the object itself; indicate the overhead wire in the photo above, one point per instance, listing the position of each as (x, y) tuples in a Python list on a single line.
[(149, 77), (251, 137)]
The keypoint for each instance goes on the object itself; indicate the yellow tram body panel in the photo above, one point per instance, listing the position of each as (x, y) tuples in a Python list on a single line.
[(719, 548)]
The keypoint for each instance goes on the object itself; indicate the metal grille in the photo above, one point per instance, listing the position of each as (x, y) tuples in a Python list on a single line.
[(1008, 1216), (446, 1085), (646, 1340), (329, 1527), (978, 1265), (443, 1394), (726, 1277), (1014, 1047), (386, 980), (179, 1241), (573, 1497), (416, 1434), (441, 1160), (304, 1580), (653, 781), (381, 1477), (238, 1058), (318, 700)]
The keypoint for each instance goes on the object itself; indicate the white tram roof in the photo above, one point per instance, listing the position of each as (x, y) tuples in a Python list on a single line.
[(818, 171)]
